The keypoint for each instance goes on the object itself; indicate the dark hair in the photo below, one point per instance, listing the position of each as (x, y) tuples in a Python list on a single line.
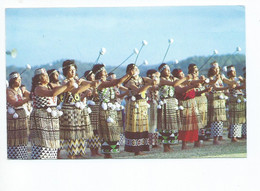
[(87, 74), (96, 71), (11, 81), (191, 68), (111, 73), (149, 73), (211, 72), (244, 70), (51, 77), (36, 80), (66, 66), (229, 72), (176, 72), (160, 67), (130, 67)]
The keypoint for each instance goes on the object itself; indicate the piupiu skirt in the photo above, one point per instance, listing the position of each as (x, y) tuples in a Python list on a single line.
[(216, 107), (237, 110), (190, 121), (17, 135), (109, 131), (152, 118), (168, 121), (136, 135), (202, 104)]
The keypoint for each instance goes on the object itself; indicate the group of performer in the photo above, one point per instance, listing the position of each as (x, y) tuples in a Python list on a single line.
[(162, 108)]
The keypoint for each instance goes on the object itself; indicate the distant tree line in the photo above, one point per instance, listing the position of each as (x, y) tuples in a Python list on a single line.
[(238, 60)]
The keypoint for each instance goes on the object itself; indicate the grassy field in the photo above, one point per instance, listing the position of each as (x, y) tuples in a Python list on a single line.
[(208, 150)]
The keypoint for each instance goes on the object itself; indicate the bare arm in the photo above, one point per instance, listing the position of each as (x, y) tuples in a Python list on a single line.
[(114, 82), (12, 100), (137, 90)]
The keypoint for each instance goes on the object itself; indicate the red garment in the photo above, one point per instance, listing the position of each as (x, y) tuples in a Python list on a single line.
[(187, 95), (190, 136)]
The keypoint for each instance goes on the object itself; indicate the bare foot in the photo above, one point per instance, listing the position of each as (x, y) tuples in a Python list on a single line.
[(139, 153), (72, 157), (234, 139), (107, 156), (156, 147), (220, 138), (216, 142)]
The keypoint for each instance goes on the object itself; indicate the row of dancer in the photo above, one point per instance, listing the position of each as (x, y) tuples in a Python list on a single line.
[(163, 107)]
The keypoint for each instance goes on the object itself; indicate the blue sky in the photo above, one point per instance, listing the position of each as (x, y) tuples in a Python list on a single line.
[(45, 35)]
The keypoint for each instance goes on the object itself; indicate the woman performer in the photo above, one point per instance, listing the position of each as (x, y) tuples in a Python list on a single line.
[(153, 99), (17, 120), (190, 120), (216, 102), (75, 126), (237, 114), (109, 130), (168, 114), (91, 98), (44, 130), (136, 133), (201, 100), (244, 128)]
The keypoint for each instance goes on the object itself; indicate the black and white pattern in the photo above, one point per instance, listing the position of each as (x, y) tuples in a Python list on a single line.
[(244, 130), (217, 128), (122, 139), (39, 152), (235, 130), (41, 102), (17, 152)]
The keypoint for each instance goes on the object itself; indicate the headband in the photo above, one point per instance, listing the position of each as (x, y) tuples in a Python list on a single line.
[(102, 68), (40, 71), (53, 72), (15, 75), (165, 66), (72, 64), (215, 65), (179, 71), (231, 69)]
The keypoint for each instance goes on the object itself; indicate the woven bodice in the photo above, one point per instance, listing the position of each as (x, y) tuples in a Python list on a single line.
[(107, 95)]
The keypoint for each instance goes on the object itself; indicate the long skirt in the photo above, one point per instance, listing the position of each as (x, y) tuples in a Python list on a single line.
[(17, 135), (190, 121), (75, 128), (168, 121), (237, 110), (44, 134), (216, 107), (94, 142), (152, 117), (202, 104), (136, 135), (109, 131)]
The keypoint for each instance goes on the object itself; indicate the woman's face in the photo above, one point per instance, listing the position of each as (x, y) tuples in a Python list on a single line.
[(216, 70), (56, 75), (166, 72), (181, 75), (91, 77), (44, 78), (196, 72), (233, 73), (104, 73), (71, 72), (136, 71), (17, 81)]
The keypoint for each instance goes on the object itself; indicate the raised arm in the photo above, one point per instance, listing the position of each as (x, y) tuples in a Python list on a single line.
[(113, 82)]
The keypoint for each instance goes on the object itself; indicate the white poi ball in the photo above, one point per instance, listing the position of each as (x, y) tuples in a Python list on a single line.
[(75, 85), (90, 102), (235, 95), (225, 68), (176, 61), (104, 106), (60, 113), (176, 108), (161, 102), (159, 107), (244, 99), (89, 110), (122, 107), (103, 51), (133, 98), (215, 51), (82, 106), (238, 49), (77, 105), (181, 107), (28, 67), (221, 97), (136, 51), (206, 80), (113, 107), (226, 97), (48, 110), (11, 110), (110, 120), (54, 113), (109, 104), (170, 41), (15, 116), (136, 105), (148, 105), (145, 42), (238, 100), (146, 62)]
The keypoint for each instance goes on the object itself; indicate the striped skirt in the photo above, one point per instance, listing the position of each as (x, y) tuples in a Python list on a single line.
[(75, 123), (152, 117), (216, 107), (168, 121), (136, 135), (202, 104), (44, 129), (237, 110), (109, 131), (17, 129), (190, 121)]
